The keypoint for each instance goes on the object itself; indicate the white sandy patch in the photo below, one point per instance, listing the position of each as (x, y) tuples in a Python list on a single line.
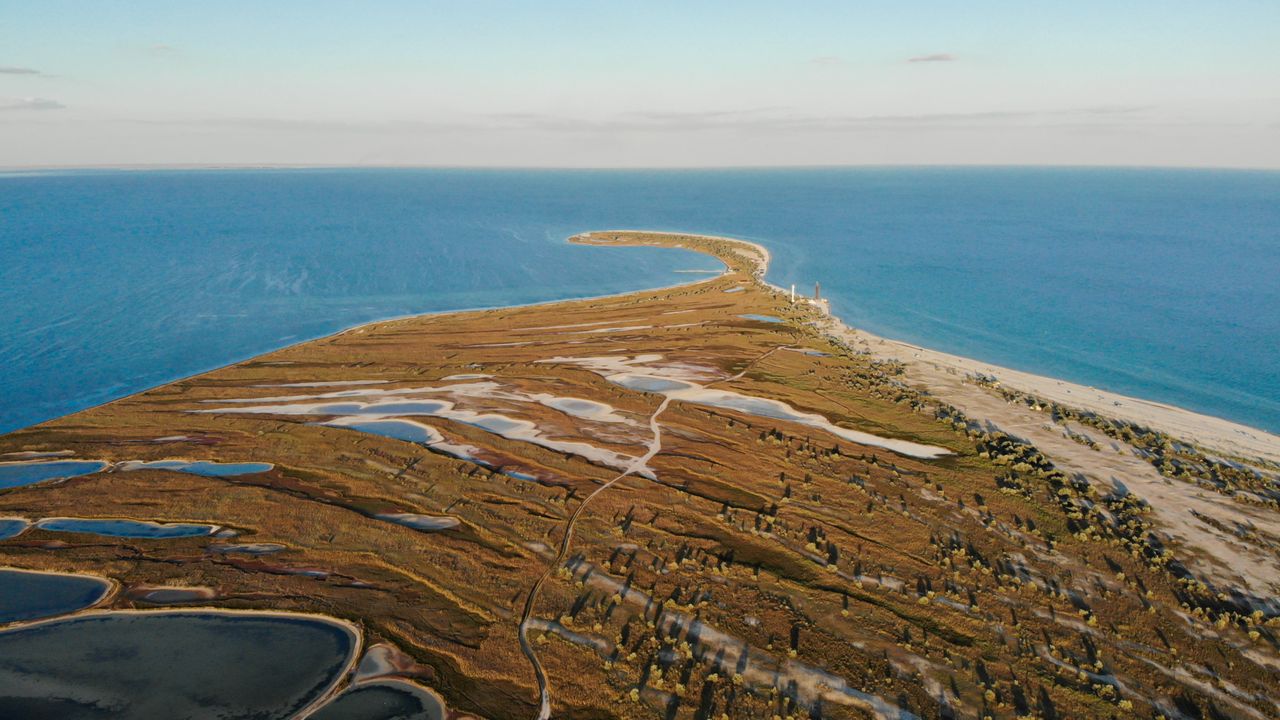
[(582, 408), (607, 365), (423, 523), (1223, 435), (418, 432), (384, 409), (678, 382)]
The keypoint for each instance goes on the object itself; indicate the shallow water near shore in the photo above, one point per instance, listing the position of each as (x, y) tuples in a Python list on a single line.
[(1153, 283)]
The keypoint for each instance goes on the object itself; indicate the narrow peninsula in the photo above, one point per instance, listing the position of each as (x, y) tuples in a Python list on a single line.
[(703, 501)]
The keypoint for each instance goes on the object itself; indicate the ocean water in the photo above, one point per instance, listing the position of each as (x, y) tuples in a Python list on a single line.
[(1164, 284)]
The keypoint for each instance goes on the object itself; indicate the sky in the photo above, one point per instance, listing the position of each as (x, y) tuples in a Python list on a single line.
[(640, 84)]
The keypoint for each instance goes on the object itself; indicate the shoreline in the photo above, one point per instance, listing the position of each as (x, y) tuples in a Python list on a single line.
[(1187, 512), (365, 324), (1228, 437), (1211, 432), (748, 519)]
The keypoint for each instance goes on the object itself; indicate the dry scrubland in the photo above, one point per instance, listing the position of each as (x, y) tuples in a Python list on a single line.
[(766, 568)]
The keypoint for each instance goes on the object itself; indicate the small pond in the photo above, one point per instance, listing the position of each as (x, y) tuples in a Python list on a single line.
[(30, 595), (120, 527)]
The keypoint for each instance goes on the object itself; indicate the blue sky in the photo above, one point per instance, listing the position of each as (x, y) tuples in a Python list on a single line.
[(555, 83)]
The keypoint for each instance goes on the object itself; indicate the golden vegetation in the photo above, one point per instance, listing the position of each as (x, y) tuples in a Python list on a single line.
[(769, 569)]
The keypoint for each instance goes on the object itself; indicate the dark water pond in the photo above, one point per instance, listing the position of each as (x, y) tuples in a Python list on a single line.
[(384, 700), (26, 595), (139, 666)]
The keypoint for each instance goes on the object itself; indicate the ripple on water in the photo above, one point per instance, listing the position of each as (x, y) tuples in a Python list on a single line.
[(140, 665), (30, 595), (121, 527), (17, 474)]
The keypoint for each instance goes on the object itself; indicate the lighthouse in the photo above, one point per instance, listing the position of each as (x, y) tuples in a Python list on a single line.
[(817, 291), (793, 292)]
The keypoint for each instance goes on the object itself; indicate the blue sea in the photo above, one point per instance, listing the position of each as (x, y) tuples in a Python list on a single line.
[(1163, 284)]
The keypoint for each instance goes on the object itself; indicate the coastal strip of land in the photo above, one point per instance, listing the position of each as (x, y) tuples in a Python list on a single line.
[(690, 502), (1219, 435)]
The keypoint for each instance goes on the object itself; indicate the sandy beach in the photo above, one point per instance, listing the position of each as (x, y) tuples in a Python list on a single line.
[(1199, 521), (934, 367), (1211, 433)]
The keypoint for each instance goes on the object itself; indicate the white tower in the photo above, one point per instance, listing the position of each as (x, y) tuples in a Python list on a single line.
[(793, 292)]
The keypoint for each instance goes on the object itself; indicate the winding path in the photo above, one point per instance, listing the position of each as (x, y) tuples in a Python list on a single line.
[(639, 463), (655, 446)]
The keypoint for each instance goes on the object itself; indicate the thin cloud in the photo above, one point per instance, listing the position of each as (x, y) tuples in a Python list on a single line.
[(29, 104), (12, 70), (762, 119), (826, 60), (1114, 109), (934, 57)]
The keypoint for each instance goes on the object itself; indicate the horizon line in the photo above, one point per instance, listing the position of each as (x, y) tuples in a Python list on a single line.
[(34, 168)]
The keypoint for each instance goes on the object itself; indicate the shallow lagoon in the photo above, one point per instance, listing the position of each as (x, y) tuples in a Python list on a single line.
[(424, 523), (176, 595), (205, 468), (352, 414), (29, 595), (121, 527), (17, 474), (409, 431), (247, 548), (12, 527), (383, 700), (128, 666), (631, 374)]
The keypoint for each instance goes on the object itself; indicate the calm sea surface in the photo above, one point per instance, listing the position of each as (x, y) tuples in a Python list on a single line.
[(1164, 284)]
